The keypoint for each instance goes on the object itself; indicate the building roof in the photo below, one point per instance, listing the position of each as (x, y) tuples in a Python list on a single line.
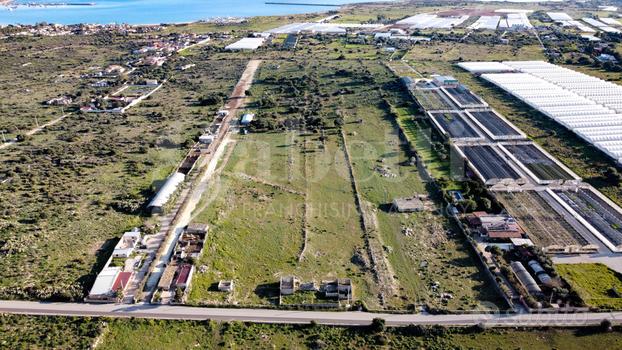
[(197, 227), (122, 280), (247, 118), (167, 190), (183, 274), (105, 281), (504, 234), (246, 44)]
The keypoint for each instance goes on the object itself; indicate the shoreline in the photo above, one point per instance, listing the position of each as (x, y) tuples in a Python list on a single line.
[(10, 16)]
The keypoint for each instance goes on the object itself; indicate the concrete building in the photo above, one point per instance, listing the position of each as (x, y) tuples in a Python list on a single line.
[(408, 205), (225, 286), (126, 245), (340, 289), (197, 228), (102, 290), (288, 285)]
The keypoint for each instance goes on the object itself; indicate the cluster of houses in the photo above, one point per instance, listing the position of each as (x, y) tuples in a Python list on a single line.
[(114, 278), (54, 29), (177, 276)]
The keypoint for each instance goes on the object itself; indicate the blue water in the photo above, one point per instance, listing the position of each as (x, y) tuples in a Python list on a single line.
[(152, 11)]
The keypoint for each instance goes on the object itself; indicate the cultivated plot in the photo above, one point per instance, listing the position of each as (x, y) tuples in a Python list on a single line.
[(538, 163), (544, 226)]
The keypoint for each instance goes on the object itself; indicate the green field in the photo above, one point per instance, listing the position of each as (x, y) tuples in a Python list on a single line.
[(597, 285), (65, 333)]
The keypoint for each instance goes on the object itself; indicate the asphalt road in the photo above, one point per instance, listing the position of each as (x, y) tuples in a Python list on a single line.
[(292, 317)]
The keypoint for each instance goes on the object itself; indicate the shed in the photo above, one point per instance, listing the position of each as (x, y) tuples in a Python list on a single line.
[(247, 118)]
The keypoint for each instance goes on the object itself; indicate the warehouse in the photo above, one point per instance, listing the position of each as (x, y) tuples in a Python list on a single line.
[(453, 125), (589, 106), (543, 168), (488, 164), (156, 206), (494, 125)]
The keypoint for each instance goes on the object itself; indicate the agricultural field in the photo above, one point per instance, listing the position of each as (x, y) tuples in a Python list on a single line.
[(302, 179), (73, 188), (597, 285), (585, 160), (537, 162), (543, 224)]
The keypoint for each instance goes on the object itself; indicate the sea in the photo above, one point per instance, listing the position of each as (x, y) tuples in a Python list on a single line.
[(152, 11)]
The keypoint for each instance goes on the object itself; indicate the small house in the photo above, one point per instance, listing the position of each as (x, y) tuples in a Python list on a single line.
[(126, 245)]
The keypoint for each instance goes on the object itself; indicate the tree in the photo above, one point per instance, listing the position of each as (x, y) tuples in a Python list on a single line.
[(377, 325)]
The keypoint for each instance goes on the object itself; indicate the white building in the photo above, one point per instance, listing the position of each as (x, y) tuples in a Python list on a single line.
[(126, 245)]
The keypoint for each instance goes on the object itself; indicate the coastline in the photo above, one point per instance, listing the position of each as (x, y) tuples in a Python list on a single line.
[(143, 14)]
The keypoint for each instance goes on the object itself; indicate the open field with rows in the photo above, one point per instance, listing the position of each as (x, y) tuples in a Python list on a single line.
[(597, 285)]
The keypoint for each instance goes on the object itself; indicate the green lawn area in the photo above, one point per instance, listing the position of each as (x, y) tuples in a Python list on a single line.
[(597, 285), (256, 210)]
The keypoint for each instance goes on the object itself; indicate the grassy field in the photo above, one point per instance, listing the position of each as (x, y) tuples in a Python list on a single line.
[(597, 285), (261, 200), (64, 333), (190, 335), (429, 254)]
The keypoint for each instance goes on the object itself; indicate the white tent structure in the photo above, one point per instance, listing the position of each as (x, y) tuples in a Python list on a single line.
[(589, 106)]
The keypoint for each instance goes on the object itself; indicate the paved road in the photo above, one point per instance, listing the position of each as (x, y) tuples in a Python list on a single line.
[(284, 316)]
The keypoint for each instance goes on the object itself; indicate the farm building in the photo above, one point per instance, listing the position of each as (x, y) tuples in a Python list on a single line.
[(156, 206), (495, 226)]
